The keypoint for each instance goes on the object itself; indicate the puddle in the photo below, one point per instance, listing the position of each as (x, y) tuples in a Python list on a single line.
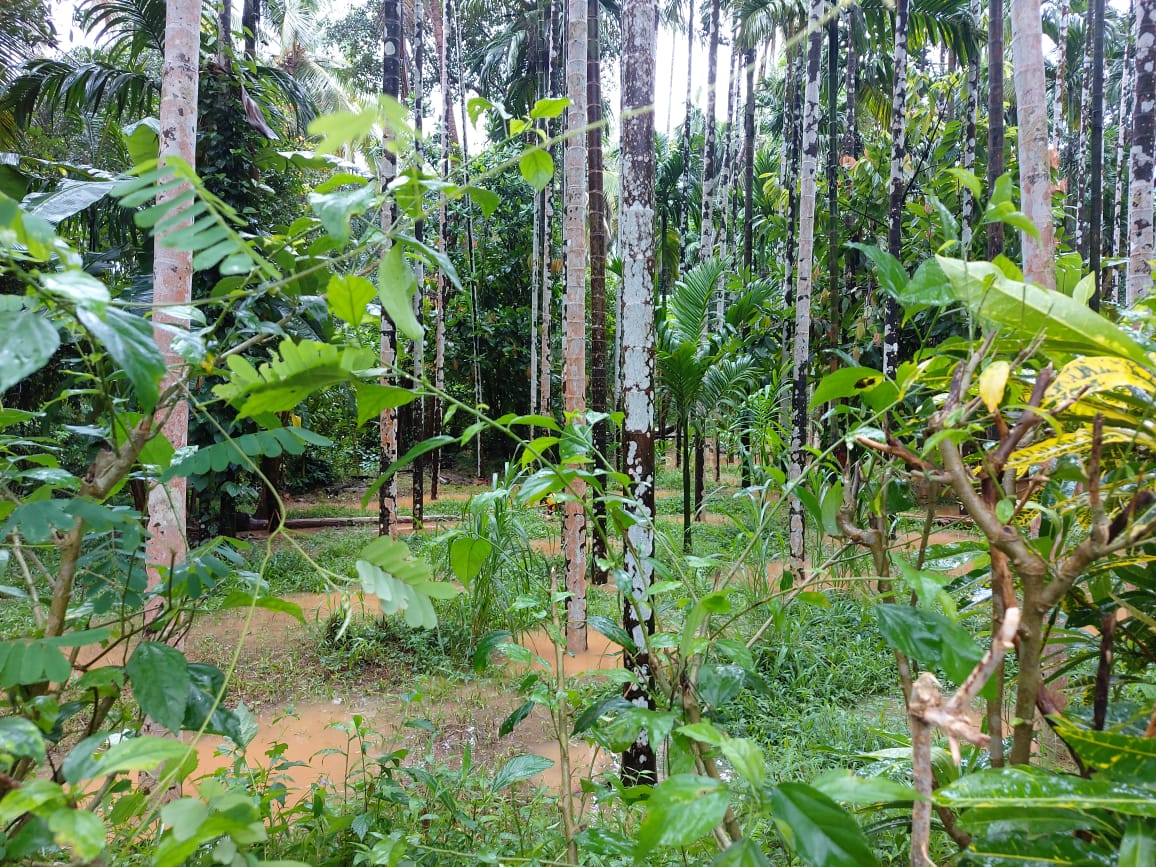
[(601, 653)]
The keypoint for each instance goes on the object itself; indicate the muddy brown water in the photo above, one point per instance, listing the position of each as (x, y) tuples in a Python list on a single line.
[(315, 740)]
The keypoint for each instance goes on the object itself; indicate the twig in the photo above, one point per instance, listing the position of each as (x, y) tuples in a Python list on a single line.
[(29, 581), (927, 710)]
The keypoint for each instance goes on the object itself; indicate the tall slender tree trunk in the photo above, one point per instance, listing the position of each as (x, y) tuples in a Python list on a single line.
[(746, 457), (545, 284), (598, 222), (1096, 207), (995, 116), (1059, 115), (897, 186), (1031, 108), (574, 366), (1140, 249), (418, 408), (173, 283), (834, 298), (636, 240), (710, 161), (224, 30), (1081, 162), (684, 192), (802, 343), (390, 86), (1123, 143), (967, 161), (475, 361), (439, 12)]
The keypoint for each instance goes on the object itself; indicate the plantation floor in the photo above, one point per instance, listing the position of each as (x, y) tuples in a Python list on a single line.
[(305, 702)]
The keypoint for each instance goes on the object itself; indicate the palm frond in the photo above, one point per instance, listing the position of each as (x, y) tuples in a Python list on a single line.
[(67, 85), (689, 302)]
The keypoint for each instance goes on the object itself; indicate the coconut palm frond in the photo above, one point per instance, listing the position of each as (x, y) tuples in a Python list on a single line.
[(690, 301)]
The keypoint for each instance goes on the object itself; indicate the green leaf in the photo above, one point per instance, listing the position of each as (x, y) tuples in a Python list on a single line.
[(19, 739), (681, 809), (340, 128), (742, 853), (348, 297), (373, 398), (519, 768), (70, 197), (27, 342), (747, 758), (145, 753), (38, 520), (892, 274), (848, 788), (485, 199), (396, 285), (185, 817), (335, 209), (129, 340), (77, 287), (719, 684), (31, 796), (590, 715), (31, 661), (486, 646), (467, 556), (1026, 787), (243, 449), (537, 168), (160, 682), (1138, 848), (1119, 756), (968, 179), (817, 830), (929, 638), (928, 287), (1025, 311), (142, 139), (405, 460), (78, 830), (510, 723), (548, 107), (846, 382), (612, 630), (241, 599)]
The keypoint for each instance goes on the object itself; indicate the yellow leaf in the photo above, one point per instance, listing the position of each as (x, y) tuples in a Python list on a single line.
[(992, 383), (1097, 374)]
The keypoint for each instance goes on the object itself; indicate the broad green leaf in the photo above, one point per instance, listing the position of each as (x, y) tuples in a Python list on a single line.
[(845, 787), (160, 682), (742, 853), (145, 753), (348, 297), (929, 638), (1138, 848), (373, 398), (719, 683), (681, 809), (335, 209), (32, 795), (467, 556), (817, 829), (747, 758), (129, 340), (69, 198), (82, 289), (142, 139), (968, 179), (548, 107), (80, 831), (1027, 311), (1119, 756), (846, 382), (1029, 787), (340, 128), (892, 274), (519, 768), (537, 168), (185, 817), (485, 199), (928, 287), (590, 715), (27, 342), (612, 630), (19, 739), (1045, 850), (396, 285)]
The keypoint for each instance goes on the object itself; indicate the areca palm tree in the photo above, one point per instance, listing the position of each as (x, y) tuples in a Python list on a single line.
[(698, 372)]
